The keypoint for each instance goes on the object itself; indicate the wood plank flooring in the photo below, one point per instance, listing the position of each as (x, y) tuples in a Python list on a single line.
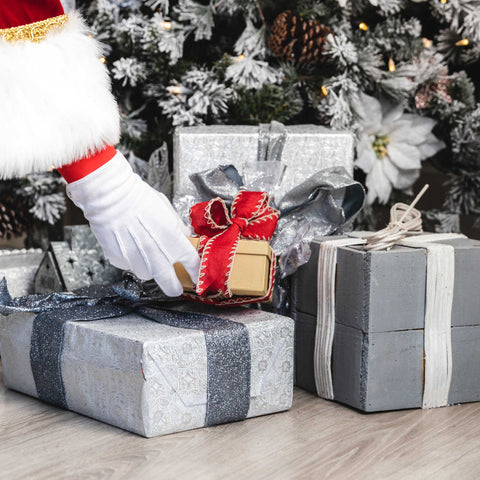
[(316, 439)]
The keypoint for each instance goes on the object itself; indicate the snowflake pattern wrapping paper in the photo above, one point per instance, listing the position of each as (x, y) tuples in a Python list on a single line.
[(19, 268), (152, 378)]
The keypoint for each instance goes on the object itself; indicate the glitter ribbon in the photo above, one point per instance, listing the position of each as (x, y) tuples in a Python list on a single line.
[(251, 217), (227, 342)]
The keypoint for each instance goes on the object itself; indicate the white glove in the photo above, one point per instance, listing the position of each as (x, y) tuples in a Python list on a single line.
[(136, 226)]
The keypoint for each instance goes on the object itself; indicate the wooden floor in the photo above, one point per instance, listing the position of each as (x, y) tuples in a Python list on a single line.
[(315, 440)]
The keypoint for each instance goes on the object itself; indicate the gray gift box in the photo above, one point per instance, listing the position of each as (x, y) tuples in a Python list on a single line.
[(378, 345), (76, 262), (153, 378), (19, 268), (307, 149)]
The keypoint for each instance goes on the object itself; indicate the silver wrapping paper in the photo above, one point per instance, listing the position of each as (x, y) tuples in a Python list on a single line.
[(308, 149), (151, 378), (19, 268), (74, 263)]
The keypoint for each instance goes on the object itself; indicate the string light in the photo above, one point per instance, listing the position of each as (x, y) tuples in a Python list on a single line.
[(103, 60), (174, 89), (239, 58), (324, 90), (363, 26), (391, 65), (462, 43), (443, 2), (166, 25), (427, 43)]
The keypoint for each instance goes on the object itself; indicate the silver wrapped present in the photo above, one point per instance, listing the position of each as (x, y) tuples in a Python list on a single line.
[(74, 263), (153, 372), (299, 150), (19, 267)]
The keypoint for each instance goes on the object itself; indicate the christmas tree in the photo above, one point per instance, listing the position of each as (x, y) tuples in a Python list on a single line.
[(399, 74)]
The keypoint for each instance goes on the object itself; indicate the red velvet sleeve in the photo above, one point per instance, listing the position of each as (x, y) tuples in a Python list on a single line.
[(14, 13)]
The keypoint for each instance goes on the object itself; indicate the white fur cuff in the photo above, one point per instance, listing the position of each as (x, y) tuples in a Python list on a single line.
[(56, 105)]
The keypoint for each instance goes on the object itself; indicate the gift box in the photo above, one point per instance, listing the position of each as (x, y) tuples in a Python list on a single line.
[(75, 263), (305, 169), (388, 330), (237, 265), (151, 371), (302, 149), (250, 274), (19, 267)]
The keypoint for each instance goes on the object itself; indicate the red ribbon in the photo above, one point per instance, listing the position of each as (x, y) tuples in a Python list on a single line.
[(251, 217)]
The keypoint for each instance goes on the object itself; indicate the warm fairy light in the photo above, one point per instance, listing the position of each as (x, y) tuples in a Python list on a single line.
[(462, 43), (427, 43), (174, 89), (363, 26), (239, 58), (443, 2), (324, 91), (103, 60), (391, 65), (166, 25)]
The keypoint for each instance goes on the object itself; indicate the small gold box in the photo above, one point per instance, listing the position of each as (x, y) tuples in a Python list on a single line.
[(251, 269)]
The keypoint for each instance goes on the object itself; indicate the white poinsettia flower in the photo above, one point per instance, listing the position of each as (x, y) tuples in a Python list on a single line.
[(391, 146)]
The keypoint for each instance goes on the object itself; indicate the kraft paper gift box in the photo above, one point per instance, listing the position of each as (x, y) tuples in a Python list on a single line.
[(387, 349), (251, 269), (176, 373), (307, 149)]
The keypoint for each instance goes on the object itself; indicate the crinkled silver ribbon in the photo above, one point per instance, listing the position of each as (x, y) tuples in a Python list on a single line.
[(321, 205), (271, 141), (223, 181)]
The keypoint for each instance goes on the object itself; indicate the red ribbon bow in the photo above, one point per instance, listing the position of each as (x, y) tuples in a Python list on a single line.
[(251, 217)]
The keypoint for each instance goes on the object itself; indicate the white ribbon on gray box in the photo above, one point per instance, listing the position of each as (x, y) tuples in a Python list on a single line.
[(438, 311)]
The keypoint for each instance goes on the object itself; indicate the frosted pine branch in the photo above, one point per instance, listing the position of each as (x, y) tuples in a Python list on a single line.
[(130, 71), (198, 17), (252, 73)]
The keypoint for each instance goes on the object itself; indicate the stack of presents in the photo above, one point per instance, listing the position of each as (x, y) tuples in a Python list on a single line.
[(288, 294)]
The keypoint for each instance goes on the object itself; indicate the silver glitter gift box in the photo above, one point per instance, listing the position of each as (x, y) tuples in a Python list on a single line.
[(152, 378), (19, 268), (305, 150)]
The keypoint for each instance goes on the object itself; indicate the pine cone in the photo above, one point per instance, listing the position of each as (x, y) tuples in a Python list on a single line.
[(14, 217), (424, 94), (296, 39)]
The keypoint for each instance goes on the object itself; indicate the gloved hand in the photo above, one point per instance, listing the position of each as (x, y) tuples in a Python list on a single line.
[(136, 226)]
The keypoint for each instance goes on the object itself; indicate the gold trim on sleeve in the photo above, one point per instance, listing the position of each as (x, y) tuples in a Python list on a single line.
[(33, 32)]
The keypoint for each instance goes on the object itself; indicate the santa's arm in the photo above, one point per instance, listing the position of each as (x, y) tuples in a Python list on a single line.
[(57, 110), (56, 103)]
